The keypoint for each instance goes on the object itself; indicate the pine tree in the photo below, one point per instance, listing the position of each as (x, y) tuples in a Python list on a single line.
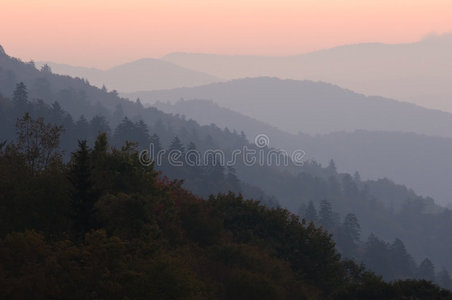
[(326, 216), (332, 167), (56, 113), (83, 198), (99, 125), (20, 97), (402, 262), (352, 227), (46, 69), (100, 146), (347, 236), (426, 270), (142, 134), (311, 213), (138, 103), (82, 128), (124, 132), (177, 145), (376, 257)]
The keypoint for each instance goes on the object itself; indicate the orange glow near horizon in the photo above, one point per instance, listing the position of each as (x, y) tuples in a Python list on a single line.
[(102, 33)]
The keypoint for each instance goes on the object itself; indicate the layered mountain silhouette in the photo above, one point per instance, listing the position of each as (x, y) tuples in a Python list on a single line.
[(416, 221), (415, 72), (311, 107), (142, 74), (408, 158)]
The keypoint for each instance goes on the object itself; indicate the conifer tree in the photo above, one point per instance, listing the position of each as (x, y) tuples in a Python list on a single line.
[(20, 98), (426, 270), (326, 216), (83, 198), (311, 213), (401, 261)]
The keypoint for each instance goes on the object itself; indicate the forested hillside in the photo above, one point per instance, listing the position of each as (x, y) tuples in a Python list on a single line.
[(117, 230), (421, 225)]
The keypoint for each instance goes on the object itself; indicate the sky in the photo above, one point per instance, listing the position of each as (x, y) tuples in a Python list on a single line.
[(101, 33)]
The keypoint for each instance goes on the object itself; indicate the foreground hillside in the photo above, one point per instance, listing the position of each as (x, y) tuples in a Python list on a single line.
[(117, 230), (423, 226)]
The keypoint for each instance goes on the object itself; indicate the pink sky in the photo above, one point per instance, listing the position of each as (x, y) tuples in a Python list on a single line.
[(103, 33)]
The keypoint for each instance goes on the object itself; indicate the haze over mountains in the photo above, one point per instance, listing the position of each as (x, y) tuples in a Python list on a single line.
[(311, 107), (382, 207), (407, 158), (224, 150), (287, 107), (398, 140), (143, 74), (415, 72)]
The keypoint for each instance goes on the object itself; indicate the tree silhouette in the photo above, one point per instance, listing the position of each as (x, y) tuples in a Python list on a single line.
[(311, 213), (39, 141), (426, 270), (326, 217), (20, 98)]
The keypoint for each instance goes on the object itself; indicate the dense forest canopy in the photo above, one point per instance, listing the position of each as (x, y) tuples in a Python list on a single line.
[(117, 229)]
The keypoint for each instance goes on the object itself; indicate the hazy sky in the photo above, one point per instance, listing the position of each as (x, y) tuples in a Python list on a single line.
[(103, 33)]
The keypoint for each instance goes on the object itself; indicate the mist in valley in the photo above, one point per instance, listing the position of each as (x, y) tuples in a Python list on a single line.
[(204, 175)]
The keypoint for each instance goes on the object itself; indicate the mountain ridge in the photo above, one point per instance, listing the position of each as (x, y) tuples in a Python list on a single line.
[(407, 158), (417, 72), (311, 107), (146, 72)]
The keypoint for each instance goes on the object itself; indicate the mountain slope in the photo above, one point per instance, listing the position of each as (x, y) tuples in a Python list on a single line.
[(423, 225), (142, 74), (419, 72), (418, 161), (311, 107)]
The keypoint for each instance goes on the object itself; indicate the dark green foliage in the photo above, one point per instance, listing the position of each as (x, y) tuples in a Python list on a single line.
[(114, 230), (83, 196)]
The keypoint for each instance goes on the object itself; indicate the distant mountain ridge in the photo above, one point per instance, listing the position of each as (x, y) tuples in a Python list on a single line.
[(419, 72), (311, 107), (146, 73)]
